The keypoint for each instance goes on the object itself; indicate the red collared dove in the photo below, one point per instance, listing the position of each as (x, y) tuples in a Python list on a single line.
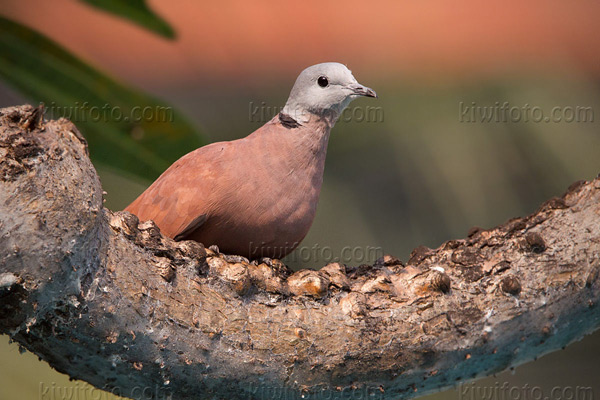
[(256, 196)]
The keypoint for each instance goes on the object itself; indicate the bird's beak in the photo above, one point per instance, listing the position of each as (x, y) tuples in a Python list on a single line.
[(361, 90)]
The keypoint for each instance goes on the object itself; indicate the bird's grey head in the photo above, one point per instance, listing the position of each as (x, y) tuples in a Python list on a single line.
[(324, 90)]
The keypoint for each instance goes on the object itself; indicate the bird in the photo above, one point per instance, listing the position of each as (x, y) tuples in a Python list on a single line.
[(256, 196)]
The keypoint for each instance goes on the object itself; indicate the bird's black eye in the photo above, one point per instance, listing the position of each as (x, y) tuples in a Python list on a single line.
[(322, 81)]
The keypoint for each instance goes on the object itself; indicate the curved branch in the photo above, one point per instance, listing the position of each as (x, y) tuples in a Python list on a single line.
[(106, 299)]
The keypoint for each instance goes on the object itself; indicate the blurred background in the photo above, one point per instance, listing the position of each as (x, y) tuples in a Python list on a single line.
[(485, 110)]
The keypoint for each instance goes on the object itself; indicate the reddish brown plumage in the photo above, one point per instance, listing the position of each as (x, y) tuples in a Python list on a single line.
[(255, 196)]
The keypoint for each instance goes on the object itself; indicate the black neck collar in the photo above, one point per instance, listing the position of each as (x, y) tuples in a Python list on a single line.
[(288, 121)]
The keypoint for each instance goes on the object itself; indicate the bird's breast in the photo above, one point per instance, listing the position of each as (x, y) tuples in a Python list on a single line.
[(273, 207)]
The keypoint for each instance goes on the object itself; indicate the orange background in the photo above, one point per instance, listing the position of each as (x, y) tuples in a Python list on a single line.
[(250, 43)]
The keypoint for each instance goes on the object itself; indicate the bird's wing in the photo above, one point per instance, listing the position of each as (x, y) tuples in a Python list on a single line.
[(195, 224), (179, 200)]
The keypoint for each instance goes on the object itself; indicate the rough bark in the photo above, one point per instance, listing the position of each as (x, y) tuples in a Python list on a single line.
[(109, 300)]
